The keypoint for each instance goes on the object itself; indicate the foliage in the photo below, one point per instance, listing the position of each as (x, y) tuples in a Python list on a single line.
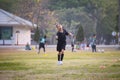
[(7, 4), (61, 4), (97, 16), (37, 35), (96, 9), (80, 33), (70, 18)]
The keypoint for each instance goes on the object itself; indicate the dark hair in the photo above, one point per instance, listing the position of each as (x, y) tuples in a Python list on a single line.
[(94, 34), (57, 24), (45, 36)]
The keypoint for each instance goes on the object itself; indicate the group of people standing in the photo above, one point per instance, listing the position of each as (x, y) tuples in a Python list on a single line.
[(61, 42), (85, 45)]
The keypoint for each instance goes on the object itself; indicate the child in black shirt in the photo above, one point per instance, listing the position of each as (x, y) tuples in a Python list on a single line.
[(61, 37)]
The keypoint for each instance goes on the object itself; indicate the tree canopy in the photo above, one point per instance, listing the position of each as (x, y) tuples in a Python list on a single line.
[(96, 16)]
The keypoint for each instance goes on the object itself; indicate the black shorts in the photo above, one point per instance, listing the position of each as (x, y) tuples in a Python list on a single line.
[(93, 46), (61, 47), (72, 45), (41, 45)]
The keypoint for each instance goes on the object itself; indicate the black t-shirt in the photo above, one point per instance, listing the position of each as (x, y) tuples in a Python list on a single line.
[(62, 36)]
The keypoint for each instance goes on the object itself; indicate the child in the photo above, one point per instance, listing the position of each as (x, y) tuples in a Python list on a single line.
[(93, 43), (27, 47), (73, 43), (42, 44), (61, 38)]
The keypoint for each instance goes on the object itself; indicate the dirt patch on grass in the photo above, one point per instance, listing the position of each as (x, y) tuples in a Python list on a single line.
[(7, 50), (11, 50)]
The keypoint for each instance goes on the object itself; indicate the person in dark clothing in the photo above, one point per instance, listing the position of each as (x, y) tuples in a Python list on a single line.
[(93, 43), (61, 38), (42, 44), (73, 43)]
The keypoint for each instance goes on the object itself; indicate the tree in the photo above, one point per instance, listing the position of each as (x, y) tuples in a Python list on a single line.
[(80, 34), (97, 16), (7, 4), (37, 35)]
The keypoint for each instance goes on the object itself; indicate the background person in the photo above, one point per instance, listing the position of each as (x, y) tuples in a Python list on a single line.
[(42, 44), (93, 43), (27, 47), (73, 43)]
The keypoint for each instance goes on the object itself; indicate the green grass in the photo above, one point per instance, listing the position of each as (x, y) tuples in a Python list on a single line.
[(81, 65)]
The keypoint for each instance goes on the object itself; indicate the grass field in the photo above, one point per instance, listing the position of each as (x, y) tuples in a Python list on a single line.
[(80, 65)]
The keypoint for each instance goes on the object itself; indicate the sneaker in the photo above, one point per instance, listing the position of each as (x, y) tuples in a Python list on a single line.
[(61, 62)]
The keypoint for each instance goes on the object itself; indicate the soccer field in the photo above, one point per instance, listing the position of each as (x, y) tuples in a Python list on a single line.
[(80, 65)]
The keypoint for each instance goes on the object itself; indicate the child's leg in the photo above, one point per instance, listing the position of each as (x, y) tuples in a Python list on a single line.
[(43, 47), (95, 48), (92, 48), (59, 57), (39, 48), (62, 54), (72, 47)]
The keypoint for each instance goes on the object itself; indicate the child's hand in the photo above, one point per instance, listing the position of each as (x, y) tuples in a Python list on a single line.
[(56, 37), (71, 34)]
